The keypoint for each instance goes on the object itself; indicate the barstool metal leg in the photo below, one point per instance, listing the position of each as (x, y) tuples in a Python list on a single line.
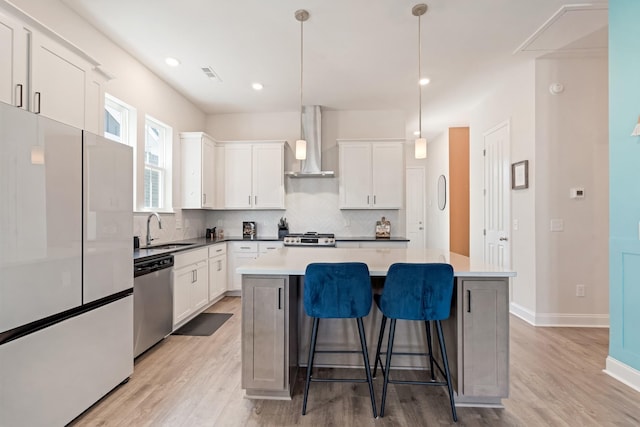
[(427, 324), (367, 366), (312, 352), (392, 332), (382, 326), (443, 351)]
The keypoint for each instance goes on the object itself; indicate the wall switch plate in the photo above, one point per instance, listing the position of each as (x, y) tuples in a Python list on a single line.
[(580, 290), (556, 225)]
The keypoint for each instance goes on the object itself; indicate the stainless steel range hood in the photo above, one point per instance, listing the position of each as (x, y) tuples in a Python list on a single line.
[(311, 131)]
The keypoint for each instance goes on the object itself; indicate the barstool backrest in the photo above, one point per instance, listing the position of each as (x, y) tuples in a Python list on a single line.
[(417, 291), (337, 290)]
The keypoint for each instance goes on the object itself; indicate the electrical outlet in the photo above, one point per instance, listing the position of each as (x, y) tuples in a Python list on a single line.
[(580, 290)]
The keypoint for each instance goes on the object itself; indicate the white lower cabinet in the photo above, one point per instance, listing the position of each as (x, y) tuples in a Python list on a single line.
[(217, 271), (190, 284), (380, 244)]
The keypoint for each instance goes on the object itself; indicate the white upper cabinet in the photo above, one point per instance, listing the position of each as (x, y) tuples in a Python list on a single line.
[(43, 73), (371, 174), (13, 66), (198, 171), (254, 175)]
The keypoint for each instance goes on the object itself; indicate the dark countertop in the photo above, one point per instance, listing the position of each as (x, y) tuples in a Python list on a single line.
[(139, 254)]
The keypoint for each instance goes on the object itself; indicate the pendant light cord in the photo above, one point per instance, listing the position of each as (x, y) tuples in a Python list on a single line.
[(419, 77), (301, 74)]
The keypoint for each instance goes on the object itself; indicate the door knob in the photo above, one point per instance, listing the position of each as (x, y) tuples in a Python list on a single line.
[(504, 239)]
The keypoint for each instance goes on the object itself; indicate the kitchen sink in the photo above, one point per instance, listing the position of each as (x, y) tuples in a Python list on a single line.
[(170, 246)]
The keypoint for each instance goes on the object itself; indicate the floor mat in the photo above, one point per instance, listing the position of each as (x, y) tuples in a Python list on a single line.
[(204, 324)]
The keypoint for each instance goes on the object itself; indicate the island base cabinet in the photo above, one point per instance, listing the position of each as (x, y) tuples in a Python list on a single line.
[(483, 345), (268, 362)]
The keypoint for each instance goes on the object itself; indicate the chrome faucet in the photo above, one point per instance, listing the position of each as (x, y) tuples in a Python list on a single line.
[(149, 239)]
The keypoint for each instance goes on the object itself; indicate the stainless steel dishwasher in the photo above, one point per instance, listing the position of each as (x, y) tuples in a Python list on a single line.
[(152, 302)]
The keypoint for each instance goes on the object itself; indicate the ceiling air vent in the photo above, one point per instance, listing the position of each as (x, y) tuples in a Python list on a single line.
[(208, 71)]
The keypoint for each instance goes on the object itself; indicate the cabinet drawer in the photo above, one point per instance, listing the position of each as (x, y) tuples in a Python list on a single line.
[(185, 258), (245, 247), (219, 249), (264, 247)]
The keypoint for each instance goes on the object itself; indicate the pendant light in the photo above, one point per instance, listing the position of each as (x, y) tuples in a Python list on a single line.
[(301, 144), (420, 149)]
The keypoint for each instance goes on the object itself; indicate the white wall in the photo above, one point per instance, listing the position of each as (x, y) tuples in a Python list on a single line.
[(312, 203), (514, 101), (437, 164), (572, 151), (137, 86)]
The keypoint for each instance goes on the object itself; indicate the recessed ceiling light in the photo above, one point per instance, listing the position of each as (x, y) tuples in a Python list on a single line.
[(424, 81), (257, 86), (172, 62)]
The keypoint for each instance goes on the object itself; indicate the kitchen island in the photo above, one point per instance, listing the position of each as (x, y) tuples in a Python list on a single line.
[(275, 329)]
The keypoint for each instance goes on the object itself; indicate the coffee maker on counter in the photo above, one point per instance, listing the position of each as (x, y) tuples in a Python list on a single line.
[(249, 229), (211, 233)]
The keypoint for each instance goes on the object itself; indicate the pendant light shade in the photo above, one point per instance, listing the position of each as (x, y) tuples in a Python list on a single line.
[(420, 149), (301, 144), (301, 149)]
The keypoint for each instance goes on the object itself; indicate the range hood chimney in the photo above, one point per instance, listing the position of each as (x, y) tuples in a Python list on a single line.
[(311, 132)]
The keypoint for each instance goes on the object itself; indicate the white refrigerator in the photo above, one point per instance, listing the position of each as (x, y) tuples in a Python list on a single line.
[(66, 269)]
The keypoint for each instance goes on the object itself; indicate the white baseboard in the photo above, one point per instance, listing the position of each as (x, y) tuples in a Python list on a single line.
[(560, 319), (623, 373), (523, 313)]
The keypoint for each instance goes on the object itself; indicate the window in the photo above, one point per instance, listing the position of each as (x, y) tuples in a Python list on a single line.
[(119, 121), (157, 165)]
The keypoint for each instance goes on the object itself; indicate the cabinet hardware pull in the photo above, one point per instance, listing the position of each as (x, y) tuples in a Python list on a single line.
[(374, 199), (367, 199), (204, 198), (245, 247), (279, 298), (196, 271), (219, 265), (249, 199), (468, 301), (218, 250), (37, 95), (503, 239), (255, 200), (19, 87)]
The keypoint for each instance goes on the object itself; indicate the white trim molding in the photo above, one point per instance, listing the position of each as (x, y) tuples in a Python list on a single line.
[(560, 319), (623, 373)]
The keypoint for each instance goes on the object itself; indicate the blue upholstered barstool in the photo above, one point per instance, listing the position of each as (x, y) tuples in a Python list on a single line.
[(416, 292), (337, 291)]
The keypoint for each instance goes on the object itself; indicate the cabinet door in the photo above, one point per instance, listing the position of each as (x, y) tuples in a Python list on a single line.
[(355, 176), (200, 289), (238, 259), (485, 343), (217, 276), (182, 282), (268, 176), (263, 333), (387, 175), (237, 184), (58, 82), (13, 62), (208, 164)]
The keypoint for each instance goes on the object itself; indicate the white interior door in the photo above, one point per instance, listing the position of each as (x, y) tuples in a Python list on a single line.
[(415, 197), (497, 202)]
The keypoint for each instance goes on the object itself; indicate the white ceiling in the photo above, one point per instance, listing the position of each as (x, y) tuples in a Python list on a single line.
[(358, 54)]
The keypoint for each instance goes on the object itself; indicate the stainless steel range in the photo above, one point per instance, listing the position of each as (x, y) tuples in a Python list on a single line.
[(310, 239)]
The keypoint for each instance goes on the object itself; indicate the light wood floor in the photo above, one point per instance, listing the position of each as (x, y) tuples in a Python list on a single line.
[(556, 380)]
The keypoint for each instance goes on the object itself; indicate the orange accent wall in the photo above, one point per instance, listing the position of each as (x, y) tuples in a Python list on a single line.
[(459, 190)]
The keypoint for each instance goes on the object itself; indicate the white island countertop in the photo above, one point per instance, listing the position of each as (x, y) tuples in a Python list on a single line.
[(293, 261)]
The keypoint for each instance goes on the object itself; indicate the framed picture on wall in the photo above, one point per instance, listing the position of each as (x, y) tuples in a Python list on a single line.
[(520, 175)]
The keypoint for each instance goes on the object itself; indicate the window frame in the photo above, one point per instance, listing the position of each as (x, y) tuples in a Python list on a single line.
[(165, 170)]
